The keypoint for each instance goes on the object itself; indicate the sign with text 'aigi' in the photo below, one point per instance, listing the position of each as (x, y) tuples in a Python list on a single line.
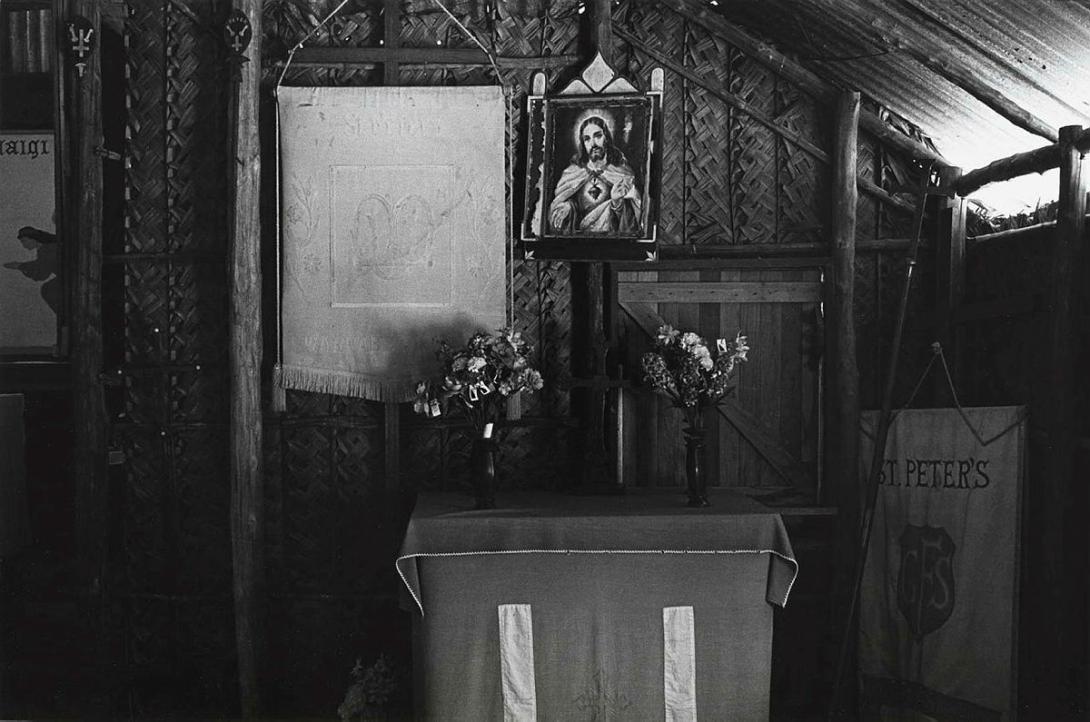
[(31, 288), (937, 623)]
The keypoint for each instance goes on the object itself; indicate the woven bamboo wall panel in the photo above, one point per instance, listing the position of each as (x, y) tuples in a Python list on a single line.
[(196, 396), (145, 182), (519, 28), (307, 480), (151, 645), (711, 143), (362, 411), (180, 639), (198, 313), (752, 153), (802, 211), (144, 399), (868, 332), (145, 510), (867, 168), (206, 627), (172, 415), (202, 494), (146, 297), (663, 31), (894, 173), (194, 136), (427, 458)]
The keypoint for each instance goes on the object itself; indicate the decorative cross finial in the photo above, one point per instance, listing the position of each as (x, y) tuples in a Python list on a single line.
[(81, 42), (238, 32)]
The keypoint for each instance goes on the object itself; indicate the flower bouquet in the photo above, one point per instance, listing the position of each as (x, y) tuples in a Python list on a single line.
[(475, 381), (694, 377)]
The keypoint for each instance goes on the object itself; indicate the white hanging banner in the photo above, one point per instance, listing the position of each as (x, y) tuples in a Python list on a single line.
[(938, 606), (393, 220)]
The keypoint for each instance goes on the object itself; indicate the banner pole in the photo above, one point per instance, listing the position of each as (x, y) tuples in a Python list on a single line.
[(880, 439)]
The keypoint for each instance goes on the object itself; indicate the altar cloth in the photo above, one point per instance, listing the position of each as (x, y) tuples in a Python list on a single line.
[(600, 578)]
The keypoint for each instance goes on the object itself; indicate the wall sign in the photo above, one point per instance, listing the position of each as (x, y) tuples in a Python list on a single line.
[(31, 287)]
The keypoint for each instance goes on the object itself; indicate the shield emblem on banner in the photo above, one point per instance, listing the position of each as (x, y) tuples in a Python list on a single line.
[(925, 584)]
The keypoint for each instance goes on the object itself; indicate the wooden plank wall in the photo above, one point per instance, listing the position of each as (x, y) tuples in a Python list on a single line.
[(777, 392)]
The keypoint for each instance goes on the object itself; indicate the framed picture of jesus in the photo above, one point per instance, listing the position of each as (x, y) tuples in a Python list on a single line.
[(591, 164)]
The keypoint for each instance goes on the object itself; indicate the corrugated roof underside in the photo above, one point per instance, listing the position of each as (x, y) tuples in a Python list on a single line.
[(906, 54)]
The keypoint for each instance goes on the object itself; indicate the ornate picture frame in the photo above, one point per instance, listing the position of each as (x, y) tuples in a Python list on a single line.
[(592, 169)]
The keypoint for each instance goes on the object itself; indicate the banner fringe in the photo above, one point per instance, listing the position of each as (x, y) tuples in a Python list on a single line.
[(342, 383)]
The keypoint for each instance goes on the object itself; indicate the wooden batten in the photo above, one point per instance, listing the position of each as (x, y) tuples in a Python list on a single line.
[(445, 57), (391, 16), (245, 351), (82, 234)]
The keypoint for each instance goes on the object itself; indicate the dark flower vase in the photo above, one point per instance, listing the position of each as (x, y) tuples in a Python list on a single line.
[(696, 476), (482, 463)]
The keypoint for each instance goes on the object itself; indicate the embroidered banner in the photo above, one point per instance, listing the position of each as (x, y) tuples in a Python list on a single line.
[(941, 578), (393, 232)]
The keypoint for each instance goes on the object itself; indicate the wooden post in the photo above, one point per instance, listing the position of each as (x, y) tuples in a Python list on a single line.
[(949, 278), (844, 386), (1057, 416), (245, 349), (82, 238), (592, 342), (842, 439)]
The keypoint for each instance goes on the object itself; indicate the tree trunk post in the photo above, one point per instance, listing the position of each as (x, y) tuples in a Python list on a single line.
[(245, 357)]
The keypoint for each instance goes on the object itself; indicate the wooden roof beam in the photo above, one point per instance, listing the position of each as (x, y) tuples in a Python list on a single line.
[(807, 80), (1032, 161)]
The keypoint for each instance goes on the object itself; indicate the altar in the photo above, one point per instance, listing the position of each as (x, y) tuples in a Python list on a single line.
[(607, 607)]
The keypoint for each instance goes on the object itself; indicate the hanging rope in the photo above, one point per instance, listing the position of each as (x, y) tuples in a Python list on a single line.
[(308, 36), (938, 355)]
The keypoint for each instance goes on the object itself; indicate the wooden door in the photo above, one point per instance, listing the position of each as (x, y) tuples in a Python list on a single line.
[(768, 436)]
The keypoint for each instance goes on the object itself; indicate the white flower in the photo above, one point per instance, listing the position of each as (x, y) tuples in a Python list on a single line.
[(476, 363), (741, 349), (690, 339)]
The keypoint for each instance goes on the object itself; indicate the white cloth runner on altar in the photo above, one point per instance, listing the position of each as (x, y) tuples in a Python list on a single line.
[(392, 214)]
